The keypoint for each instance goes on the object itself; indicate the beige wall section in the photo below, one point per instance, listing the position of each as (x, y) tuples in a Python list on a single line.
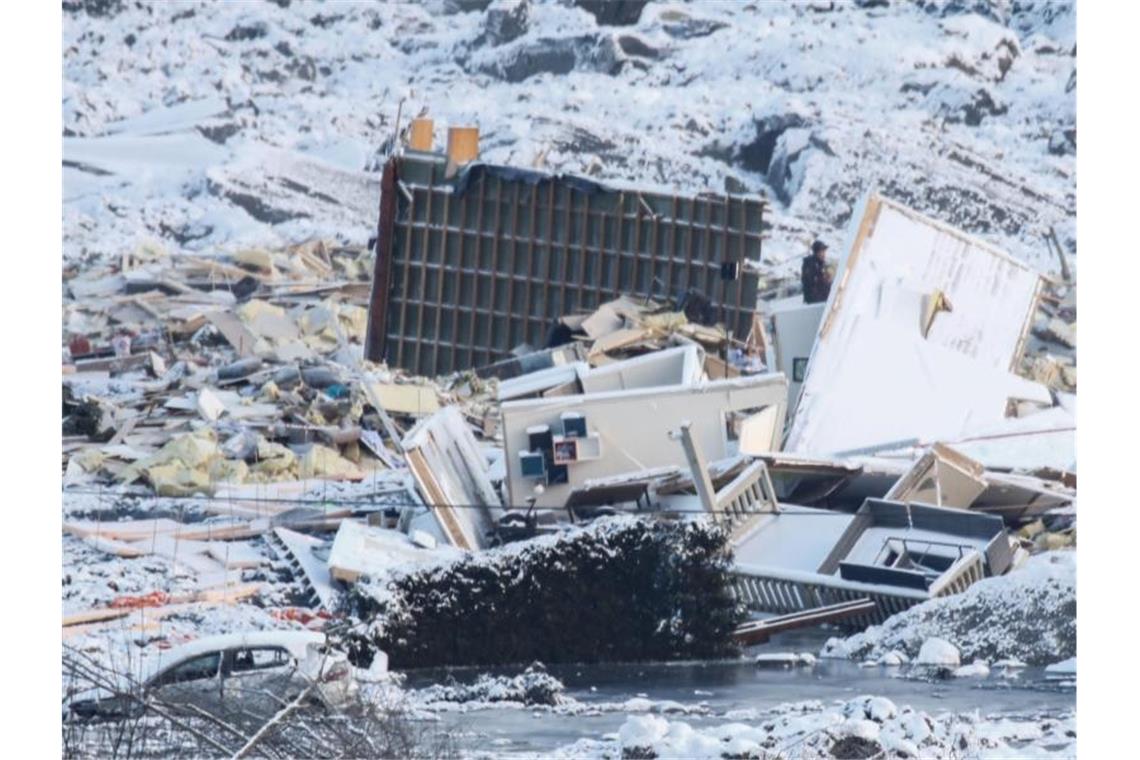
[(634, 428)]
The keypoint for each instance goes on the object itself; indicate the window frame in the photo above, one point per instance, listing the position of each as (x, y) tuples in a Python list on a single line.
[(289, 661), (164, 678)]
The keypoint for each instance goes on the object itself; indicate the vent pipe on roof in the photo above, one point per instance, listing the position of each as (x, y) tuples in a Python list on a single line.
[(420, 134), (462, 145)]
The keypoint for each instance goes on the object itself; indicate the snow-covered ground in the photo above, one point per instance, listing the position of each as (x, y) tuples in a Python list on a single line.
[(863, 727), (206, 124)]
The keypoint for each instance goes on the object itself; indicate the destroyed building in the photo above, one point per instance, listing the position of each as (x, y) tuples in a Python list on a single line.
[(540, 350), (926, 326), (894, 554), (475, 260)]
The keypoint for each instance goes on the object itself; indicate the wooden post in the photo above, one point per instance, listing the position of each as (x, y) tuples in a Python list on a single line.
[(420, 136), (700, 470), (462, 144)]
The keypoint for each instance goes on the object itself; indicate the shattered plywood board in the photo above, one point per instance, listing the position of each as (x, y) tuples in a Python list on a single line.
[(602, 322), (210, 406), (405, 398), (362, 550), (874, 378), (236, 334)]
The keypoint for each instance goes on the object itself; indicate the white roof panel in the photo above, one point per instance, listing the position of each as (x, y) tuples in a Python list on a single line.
[(874, 378)]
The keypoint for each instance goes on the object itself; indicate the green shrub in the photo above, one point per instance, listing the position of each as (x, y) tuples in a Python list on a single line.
[(620, 589)]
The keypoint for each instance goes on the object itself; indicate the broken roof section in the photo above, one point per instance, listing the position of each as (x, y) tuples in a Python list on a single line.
[(919, 339), (893, 553), (470, 266)]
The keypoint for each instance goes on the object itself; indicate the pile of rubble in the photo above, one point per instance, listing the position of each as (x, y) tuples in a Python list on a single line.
[(922, 417), (161, 348)]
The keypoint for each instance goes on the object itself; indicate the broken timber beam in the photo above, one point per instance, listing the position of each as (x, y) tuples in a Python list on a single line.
[(759, 631), (700, 469)]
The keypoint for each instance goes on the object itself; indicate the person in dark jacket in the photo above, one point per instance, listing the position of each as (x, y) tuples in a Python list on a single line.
[(816, 274)]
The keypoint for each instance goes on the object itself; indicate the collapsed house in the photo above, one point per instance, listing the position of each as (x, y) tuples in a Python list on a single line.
[(895, 554), (919, 343), (926, 327), (598, 350)]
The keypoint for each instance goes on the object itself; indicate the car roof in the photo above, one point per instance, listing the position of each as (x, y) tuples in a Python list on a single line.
[(295, 642)]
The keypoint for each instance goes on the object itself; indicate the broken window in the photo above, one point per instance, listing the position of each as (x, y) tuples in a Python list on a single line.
[(799, 368)]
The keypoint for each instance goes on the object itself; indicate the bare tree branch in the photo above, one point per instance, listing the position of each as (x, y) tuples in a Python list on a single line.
[(280, 716)]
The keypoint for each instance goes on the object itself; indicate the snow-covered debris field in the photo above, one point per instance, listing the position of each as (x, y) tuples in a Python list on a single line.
[(1029, 615), (204, 123)]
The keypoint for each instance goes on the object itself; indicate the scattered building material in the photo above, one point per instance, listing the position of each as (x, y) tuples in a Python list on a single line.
[(680, 365), (760, 631), (586, 325), (209, 405), (297, 550), (124, 606), (362, 550), (894, 553), (738, 504), (942, 477), (405, 398)]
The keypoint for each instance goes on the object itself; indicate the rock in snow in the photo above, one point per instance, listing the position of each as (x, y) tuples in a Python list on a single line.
[(976, 669), (1065, 668), (937, 651)]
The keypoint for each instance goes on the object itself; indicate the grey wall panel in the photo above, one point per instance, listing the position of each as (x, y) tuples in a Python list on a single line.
[(475, 265)]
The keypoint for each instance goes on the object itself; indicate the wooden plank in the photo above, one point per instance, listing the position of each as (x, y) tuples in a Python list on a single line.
[(440, 275), (422, 471), (127, 530), (94, 616), (234, 555), (404, 398), (759, 631), (223, 595)]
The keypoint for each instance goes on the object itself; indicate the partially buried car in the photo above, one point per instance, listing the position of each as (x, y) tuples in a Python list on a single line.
[(254, 674)]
